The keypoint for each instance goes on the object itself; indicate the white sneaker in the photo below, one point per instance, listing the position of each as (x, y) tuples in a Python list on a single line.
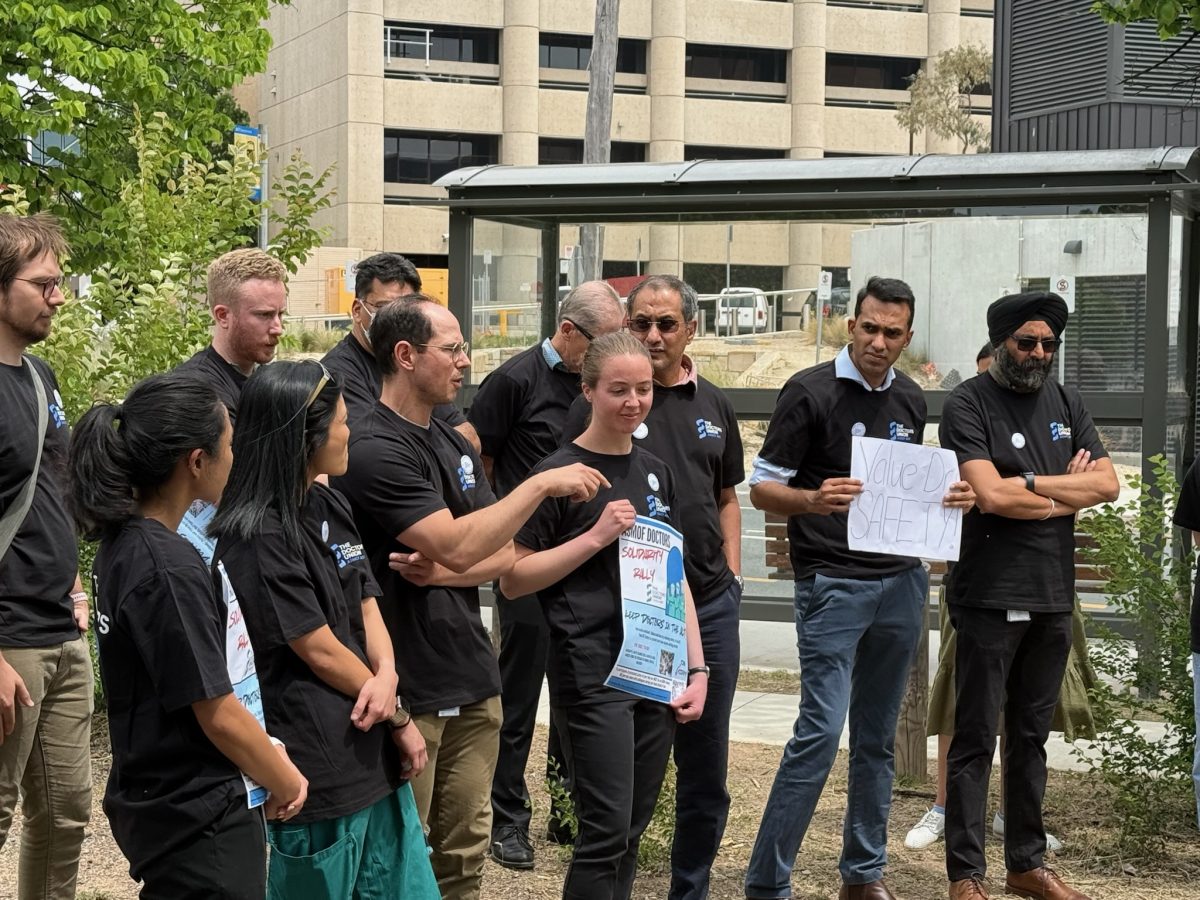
[(926, 832), (1053, 844)]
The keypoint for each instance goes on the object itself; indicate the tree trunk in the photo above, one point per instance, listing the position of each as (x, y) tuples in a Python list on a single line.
[(911, 756), (597, 129)]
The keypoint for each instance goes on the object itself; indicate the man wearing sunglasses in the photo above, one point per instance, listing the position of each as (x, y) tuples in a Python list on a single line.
[(692, 428), (378, 280), (1029, 449), (519, 414)]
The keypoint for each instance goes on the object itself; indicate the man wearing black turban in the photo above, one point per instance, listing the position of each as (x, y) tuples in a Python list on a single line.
[(1029, 449)]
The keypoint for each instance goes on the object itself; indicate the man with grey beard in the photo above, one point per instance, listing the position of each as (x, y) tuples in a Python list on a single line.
[(1029, 449)]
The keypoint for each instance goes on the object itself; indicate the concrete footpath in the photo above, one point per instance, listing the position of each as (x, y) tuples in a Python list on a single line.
[(768, 718)]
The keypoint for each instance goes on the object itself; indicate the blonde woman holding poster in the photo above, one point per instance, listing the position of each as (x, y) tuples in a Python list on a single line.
[(616, 743)]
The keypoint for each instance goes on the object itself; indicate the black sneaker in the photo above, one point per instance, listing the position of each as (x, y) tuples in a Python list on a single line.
[(511, 849)]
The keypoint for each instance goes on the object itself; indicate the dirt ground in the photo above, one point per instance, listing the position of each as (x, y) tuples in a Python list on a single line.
[(1072, 813)]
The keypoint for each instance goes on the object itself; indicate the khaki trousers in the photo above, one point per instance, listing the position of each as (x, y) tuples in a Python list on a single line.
[(48, 758), (453, 794)]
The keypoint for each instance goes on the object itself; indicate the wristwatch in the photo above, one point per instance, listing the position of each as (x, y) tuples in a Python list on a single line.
[(1029, 481), (696, 670), (401, 716), (741, 582)]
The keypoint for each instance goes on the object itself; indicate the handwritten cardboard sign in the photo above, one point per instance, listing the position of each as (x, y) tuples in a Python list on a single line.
[(900, 508)]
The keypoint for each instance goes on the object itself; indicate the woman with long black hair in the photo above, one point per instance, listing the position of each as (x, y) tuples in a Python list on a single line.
[(616, 744), (178, 806), (289, 549)]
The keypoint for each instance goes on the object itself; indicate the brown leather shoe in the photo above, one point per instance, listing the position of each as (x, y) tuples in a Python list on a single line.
[(875, 890), (1040, 884), (968, 889)]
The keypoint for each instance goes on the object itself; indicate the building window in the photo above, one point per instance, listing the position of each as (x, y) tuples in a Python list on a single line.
[(887, 73), (574, 51), (701, 151), (736, 63), (420, 157), (450, 43), (560, 151)]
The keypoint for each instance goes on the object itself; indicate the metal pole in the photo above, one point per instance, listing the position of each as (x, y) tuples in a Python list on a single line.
[(819, 310), (264, 213), (728, 245)]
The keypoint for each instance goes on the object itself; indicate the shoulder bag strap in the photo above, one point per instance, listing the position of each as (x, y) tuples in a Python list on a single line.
[(12, 519)]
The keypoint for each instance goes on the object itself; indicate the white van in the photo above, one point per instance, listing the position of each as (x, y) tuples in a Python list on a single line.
[(741, 310)]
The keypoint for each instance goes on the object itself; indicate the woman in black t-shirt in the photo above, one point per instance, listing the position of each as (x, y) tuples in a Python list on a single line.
[(288, 547), (616, 744), (178, 806)]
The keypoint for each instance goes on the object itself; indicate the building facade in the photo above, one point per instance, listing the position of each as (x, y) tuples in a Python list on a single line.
[(396, 93)]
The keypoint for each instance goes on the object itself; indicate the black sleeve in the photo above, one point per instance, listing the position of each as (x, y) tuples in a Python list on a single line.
[(388, 481), (339, 507), (494, 410), (449, 413), (733, 464), (175, 622), (786, 443), (543, 529), (285, 603), (577, 419), (1187, 512), (963, 429), (1083, 429)]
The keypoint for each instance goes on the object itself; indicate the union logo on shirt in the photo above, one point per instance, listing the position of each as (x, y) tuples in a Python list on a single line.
[(898, 431), (1060, 431), (657, 507), (706, 429), (347, 553), (56, 411), (466, 473)]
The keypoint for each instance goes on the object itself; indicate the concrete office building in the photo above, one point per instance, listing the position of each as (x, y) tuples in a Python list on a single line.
[(396, 93)]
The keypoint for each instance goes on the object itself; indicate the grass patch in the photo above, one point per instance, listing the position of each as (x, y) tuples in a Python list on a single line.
[(769, 681)]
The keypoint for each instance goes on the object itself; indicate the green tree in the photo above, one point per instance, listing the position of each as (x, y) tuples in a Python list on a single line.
[(1173, 17), (81, 68), (940, 97)]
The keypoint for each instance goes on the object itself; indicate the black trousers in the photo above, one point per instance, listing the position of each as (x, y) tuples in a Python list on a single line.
[(524, 643), (618, 750), (702, 752), (226, 861), (1019, 665)]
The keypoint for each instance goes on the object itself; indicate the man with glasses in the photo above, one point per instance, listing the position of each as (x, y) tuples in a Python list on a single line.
[(692, 428), (519, 414), (1028, 447), (378, 280), (858, 614), (45, 670), (434, 532)]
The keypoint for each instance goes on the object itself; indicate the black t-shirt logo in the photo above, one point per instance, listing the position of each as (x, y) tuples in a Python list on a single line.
[(466, 473)]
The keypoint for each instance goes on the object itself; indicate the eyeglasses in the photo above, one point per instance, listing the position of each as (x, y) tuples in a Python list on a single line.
[(321, 382), (1026, 344), (463, 347), (642, 324), (587, 334), (48, 285)]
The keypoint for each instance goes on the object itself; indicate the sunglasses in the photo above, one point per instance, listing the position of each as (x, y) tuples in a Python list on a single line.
[(642, 324), (1026, 344), (321, 382)]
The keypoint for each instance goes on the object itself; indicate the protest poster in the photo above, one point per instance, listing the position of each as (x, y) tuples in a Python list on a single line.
[(239, 655), (653, 658), (900, 508)]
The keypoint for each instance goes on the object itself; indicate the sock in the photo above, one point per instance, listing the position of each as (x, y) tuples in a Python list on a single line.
[(939, 809)]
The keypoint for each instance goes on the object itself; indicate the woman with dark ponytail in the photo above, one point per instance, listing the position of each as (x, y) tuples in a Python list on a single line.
[(179, 808), (290, 550)]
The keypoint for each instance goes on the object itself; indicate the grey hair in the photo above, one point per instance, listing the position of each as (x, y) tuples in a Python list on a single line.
[(584, 304), (687, 294)]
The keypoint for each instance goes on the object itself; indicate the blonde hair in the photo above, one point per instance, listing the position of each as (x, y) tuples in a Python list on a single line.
[(24, 238), (604, 348), (229, 272)]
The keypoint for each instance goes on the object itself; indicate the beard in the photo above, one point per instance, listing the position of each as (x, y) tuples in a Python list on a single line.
[(1023, 377)]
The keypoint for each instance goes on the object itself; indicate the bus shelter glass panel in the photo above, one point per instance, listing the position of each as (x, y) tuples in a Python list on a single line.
[(506, 294)]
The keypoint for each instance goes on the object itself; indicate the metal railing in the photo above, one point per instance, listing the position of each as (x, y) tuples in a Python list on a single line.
[(397, 36)]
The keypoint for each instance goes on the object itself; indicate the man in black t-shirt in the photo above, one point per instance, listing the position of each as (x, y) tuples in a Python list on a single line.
[(1029, 449), (378, 279), (858, 615), (420, 500), (519, 414), (1187, 515), (45, 669), (692, 428), (247, 297)]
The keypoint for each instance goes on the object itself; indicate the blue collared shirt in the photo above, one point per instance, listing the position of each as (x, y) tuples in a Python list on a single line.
[(843, 367), (552, 357)]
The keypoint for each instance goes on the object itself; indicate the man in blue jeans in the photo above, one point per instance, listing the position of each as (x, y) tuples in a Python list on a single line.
[(858, 615)]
